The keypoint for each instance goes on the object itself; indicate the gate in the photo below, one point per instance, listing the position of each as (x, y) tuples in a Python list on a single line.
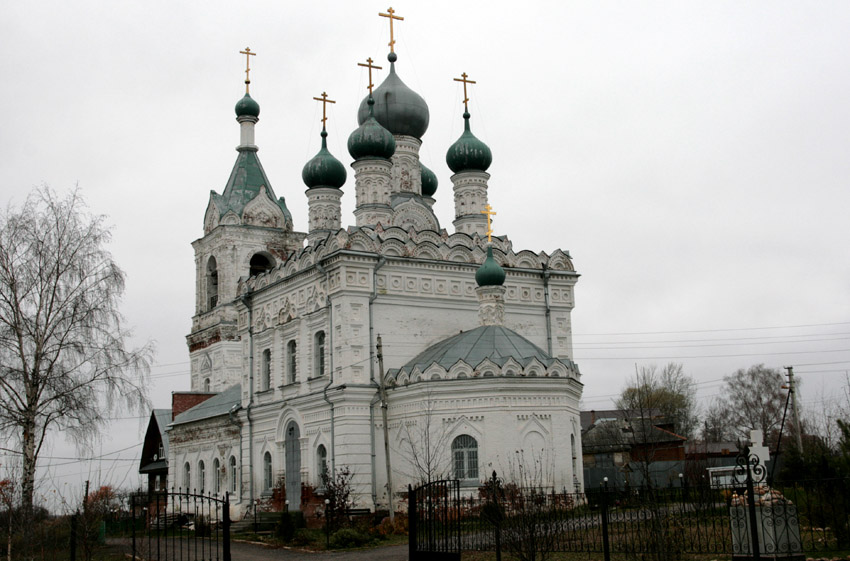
[(182, 525), (434, 521)]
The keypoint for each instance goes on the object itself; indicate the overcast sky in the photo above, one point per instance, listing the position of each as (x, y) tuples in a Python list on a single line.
[(692, 157)]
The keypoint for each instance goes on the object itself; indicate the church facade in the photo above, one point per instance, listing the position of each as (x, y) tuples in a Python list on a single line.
[(475, 371)]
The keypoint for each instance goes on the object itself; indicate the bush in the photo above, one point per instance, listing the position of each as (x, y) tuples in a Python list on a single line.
[(289, 523), (348, 537), (302, 536)]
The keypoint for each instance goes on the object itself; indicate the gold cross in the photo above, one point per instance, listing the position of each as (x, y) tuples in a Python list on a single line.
[(370, 66), (248, 54), (463, 78), (488, 210), (324, 99), (392, 16)]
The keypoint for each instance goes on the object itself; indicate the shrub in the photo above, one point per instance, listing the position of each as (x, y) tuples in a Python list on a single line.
[(285, 529), (348, 537), (302, 536)]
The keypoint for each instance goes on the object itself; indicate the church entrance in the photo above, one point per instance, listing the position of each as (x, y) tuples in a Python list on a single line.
[(292, 449)]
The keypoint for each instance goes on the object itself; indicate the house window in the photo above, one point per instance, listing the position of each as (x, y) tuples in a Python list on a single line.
[(259, 265), (216, 476), (291, 356), (319, 352), (267, 472), (321, 462), (266, 374), (233, 474), (201, 476), (187, 475), (465, 457), (212, 284), (206, 384)]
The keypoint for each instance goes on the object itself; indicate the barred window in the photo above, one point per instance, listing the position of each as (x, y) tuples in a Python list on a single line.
[(465, 457)]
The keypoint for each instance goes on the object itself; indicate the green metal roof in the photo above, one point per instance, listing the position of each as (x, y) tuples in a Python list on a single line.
[(245, 182), (490, 273), (493, 342), (213, 407), (468, 152)]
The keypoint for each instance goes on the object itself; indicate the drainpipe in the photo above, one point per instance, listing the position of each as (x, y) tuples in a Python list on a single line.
[(374, 296), (231, 416), (548, 309), (330, 337), (247, 302)]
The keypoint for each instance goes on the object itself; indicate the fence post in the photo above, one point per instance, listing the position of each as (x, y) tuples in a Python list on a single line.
[(73, 544), (606, 550), (225, 527), (133, 522), (411, 523), (754, 531)]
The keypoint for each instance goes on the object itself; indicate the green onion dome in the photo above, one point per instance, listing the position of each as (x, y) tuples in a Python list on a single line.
[(323, 170), (468, 153), (247, 106), (398, 109), (370, 139), (490, 273), (429, 181)]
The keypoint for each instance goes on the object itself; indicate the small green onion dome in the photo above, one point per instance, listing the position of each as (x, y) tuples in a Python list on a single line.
[(398, 109), (490, 273), (468, 153), (429, 181), (323, 170), (247, 106), (370, 139)]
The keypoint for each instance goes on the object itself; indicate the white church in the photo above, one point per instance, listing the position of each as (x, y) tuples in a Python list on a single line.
[(285, 375)]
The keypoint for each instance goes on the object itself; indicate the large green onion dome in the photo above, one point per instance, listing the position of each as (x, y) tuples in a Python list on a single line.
[(247, 106), (468, 153), (429, 181), (398, 109), (370, 139), (490, 273), (323, 170)]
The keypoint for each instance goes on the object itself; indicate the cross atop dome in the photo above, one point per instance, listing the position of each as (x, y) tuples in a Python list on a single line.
[(370, 66), (324, 99), (248, 54), (463, 78), (391, 15)]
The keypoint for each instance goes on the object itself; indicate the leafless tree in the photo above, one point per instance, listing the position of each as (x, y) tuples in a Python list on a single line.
[(64, 356), (669, 391), (423, 444)]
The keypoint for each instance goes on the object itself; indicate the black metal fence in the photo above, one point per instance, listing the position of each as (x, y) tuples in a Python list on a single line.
[(435, 527), (796, 518), (179, 524)]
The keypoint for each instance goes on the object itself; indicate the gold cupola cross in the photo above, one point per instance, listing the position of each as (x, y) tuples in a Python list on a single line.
[(463, 78), (324, 99), (392, 17), (370, 66), (248, 54), (488, 210)]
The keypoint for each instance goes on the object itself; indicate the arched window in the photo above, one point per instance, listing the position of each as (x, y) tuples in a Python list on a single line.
[(321, 463), (266, 375), (216, 476), (202, 474), (465, 457), (212, 284), (259, 264), (573, 450), (268, 482), (291, 361), (187, 475), (319, 354), (233, 474), (206, 384)]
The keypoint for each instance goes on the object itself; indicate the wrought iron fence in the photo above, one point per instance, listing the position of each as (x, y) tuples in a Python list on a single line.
[(181, 525), (681, 519)]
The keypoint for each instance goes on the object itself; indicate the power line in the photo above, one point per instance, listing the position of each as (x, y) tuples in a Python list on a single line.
[(714, 330)]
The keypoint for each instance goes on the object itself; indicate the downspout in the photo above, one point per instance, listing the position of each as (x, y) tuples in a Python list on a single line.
[(231, 416), (374, 296), (548, 309), (330, 336), (246, 301)]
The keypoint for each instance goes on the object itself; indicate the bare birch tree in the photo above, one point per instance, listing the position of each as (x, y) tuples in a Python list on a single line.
[(64, 356), (423, 444)]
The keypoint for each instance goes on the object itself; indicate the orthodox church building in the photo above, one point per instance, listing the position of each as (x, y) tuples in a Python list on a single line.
[(475, 369)]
